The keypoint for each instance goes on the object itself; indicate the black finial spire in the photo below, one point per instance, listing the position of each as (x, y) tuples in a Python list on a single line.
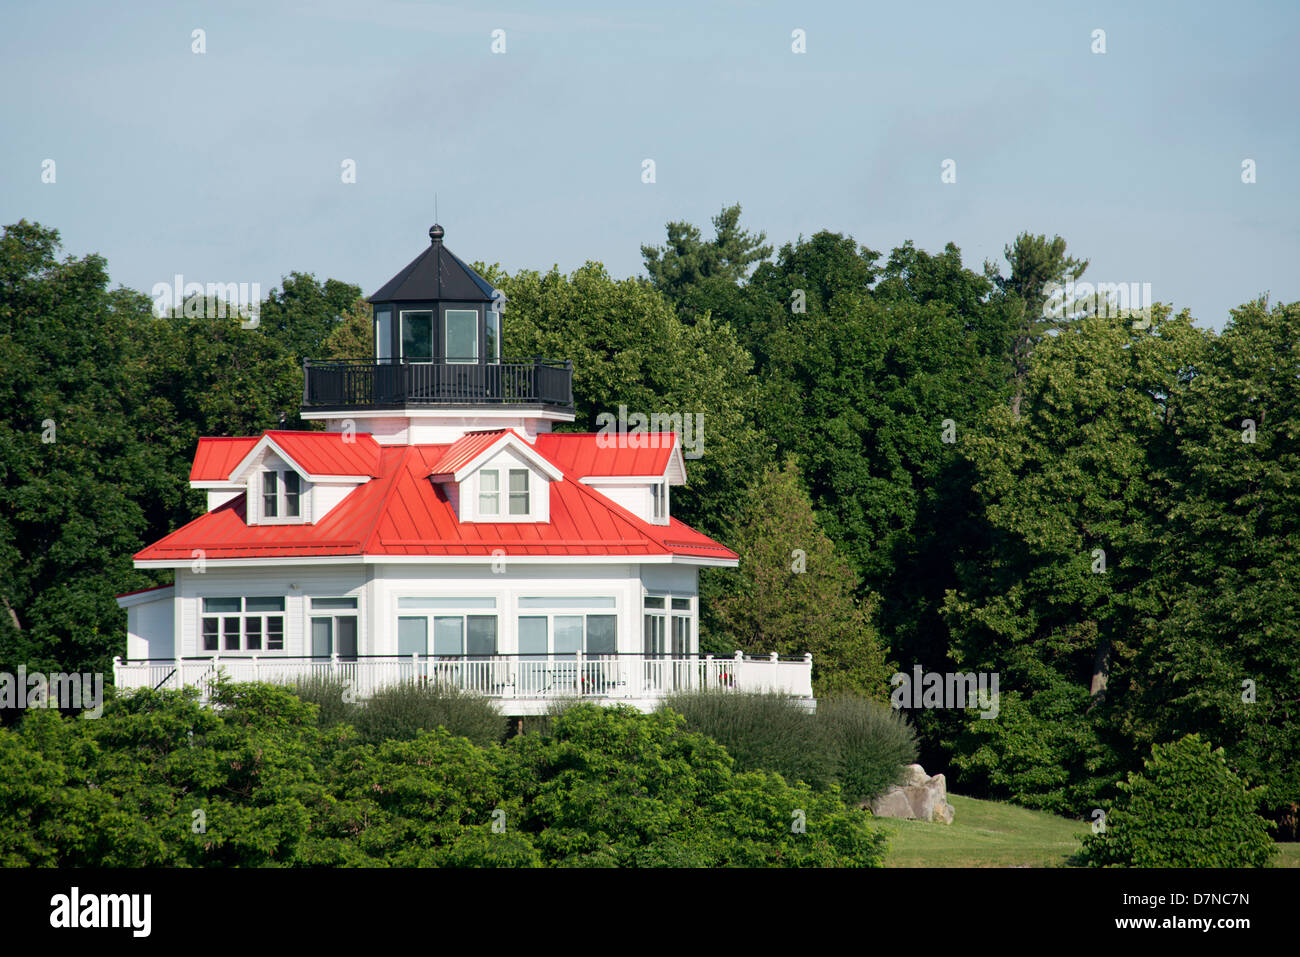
[(435, 234)]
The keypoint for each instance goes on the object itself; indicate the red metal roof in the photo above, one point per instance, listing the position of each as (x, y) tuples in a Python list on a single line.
[(465, 449), (590, 454), (319, 453), (402, 512), (216, 457)]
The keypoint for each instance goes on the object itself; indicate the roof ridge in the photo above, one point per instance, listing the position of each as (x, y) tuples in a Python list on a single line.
[(382, 509)]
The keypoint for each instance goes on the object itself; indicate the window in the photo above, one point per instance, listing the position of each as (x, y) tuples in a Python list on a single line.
[(460, 333), (457, 632), (417, 335), (566, 635), (270, 498), (519, 491), (494, 335), (666, 632), (281, 494), (242, 624), (383, 334), (334, 632), (291, 490), (659, 500), (489, 492)]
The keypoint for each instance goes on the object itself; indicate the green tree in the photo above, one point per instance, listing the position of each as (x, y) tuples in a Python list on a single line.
[(629, 348), (1035, 262), (796, 594), (1185, 809), (303, 313)]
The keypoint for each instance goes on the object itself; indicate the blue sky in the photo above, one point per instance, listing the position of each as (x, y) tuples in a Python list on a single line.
[(226, 166)]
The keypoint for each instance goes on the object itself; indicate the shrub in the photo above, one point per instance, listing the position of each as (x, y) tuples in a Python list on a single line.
[(402, 711), (1185, 809), (762, 731), (327, 695), (874, 742), (611, 787)]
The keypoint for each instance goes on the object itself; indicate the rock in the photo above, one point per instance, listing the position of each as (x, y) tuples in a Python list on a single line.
[(922, 801), (920, 797), (893, 803), (914, 776)]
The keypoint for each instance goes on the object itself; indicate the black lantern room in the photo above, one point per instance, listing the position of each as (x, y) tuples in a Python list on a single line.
[(438, 310)]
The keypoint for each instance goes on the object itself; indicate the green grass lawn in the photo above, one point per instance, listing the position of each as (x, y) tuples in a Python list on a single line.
[(984, 834), (994, 834), (1289, 855)]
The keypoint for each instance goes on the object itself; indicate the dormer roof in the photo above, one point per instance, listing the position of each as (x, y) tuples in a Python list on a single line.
[(474, 448), (317, 455)]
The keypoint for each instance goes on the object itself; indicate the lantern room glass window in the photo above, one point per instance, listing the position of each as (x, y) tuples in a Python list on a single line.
[(460, 333)]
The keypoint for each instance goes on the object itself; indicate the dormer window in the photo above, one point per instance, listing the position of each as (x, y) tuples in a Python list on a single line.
[(281, 494), (519, 491), (659, 501), (489, 492)]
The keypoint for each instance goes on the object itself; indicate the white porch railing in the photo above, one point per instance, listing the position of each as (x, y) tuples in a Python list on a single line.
[(512, 678)]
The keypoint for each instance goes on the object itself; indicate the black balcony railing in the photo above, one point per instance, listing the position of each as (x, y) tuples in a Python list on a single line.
[(362, 384)]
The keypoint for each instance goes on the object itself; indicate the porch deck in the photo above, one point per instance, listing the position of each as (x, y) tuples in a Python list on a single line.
[(518, 684)]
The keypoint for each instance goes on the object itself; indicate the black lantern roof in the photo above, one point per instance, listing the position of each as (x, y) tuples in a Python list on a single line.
[(435, 274)]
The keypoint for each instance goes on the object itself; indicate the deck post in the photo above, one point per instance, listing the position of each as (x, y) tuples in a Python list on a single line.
[(738, 667), (117, 667), (582, 678)]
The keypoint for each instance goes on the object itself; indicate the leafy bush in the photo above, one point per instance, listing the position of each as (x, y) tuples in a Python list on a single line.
[(874, 742), (401, 711), (1185, 809), (160, 780), (326, 694), (762, 731), (614, 787)]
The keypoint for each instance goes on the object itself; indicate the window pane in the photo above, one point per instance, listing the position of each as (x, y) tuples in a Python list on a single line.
[(461, 330), (212, 605), (231, 628), (253, 632), (568, 634), (493, 335), (346, 627), (448, 636), (417, 336), (332, 602), (654, 635), (413, 636), (275, 633), (321, 637), (383, 334), (653, 602), (210, 627), (265, 604), (269, 484), (580, 602), (602, 634), (481, 634), (446, 603), (488, 488), (291, 489), (682, 604), (681, 635), (532, 635), (519, 491)]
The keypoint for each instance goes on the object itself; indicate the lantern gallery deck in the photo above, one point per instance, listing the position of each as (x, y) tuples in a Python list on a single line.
[(521, 684)]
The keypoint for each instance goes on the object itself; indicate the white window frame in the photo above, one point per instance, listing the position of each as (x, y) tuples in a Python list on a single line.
[(495, 494), (281, 516), (244, 616)]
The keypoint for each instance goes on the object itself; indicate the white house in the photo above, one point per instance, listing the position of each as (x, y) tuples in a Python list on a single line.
[(439, 530)]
